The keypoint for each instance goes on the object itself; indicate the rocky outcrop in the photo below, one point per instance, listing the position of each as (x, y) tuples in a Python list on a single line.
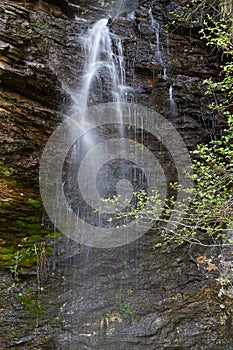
[(41, 58), (134, 297)]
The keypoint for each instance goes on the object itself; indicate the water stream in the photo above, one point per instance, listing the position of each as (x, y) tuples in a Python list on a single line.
[(103, 284), (104, 70), (133, 297), (103, 81), (172, 103), (156, 27)]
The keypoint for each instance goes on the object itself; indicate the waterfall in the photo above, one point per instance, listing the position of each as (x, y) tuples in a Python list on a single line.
[(116, 298), (102, 153), (104, 68), (156, 28), (103, 81)]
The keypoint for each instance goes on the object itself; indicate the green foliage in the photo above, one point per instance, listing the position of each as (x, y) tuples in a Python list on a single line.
[(218, 33), (44, 25), (212, 200), (126, 309), (129, 292), (150, 206), (30, 301), (28, 255), (193, 12), (36, 203), (125, 263), (209, 218), (56, 319), (105, 4), (5, 172), (220, 36)]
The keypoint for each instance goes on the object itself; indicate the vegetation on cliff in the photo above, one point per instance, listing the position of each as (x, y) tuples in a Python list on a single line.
[(208, 220), (212, 200)]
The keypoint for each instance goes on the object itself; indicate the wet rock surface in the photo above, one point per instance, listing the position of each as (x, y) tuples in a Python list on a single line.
[(42, 61), (134, 297)]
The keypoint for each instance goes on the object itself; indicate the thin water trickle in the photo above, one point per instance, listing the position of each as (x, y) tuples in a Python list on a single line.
[(172, 103), (131, 15), (171, 93), (156, 27)]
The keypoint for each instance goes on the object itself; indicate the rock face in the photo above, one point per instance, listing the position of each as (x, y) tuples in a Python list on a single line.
[(133, 297), (41, 58)]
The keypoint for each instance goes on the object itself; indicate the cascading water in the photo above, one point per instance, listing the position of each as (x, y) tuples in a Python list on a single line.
[(139, 296), (104, 71), (156, 27), (117, 167), (103, 78), (103, 82), (101, 286)]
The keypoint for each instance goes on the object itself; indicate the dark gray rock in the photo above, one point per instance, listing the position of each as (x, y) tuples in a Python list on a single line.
[(134, 297)]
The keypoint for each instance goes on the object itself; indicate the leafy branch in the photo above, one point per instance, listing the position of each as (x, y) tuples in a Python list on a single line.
[(208, 220)]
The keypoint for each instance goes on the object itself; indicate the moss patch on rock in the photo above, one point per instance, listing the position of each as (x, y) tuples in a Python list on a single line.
[(22, 226)]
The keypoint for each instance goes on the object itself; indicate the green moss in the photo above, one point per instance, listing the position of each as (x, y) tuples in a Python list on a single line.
[(7, 250), (22, 234), (31, 303), (7, 257), (55, 235), (44, 25), (5, 171), (19, 247), (35, 203), (19, 224), (31, 219), (34, 239), (29, 262), (48, 250), (24, 228), (5, 204)]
